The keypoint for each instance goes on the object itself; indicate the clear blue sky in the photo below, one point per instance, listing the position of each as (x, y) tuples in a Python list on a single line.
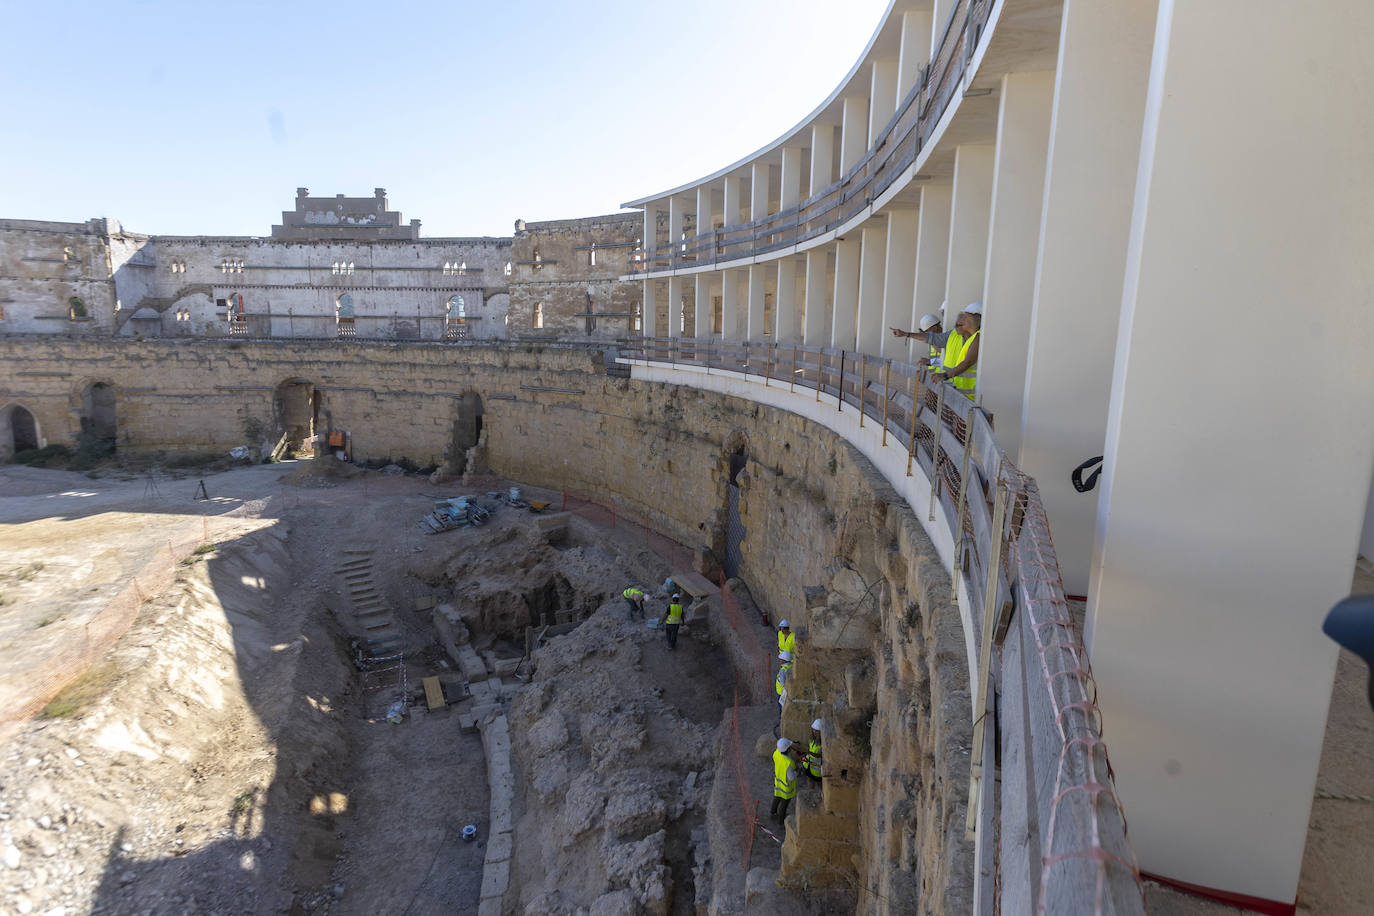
[(202, 119)]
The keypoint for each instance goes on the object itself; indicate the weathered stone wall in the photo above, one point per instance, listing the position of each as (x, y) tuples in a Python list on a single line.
[(880, 655), (43, 266), (555, 267)]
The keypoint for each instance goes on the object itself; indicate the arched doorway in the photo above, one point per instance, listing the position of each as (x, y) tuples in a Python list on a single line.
[(467, 431), (98, 411), (21, 429), (296, 406)]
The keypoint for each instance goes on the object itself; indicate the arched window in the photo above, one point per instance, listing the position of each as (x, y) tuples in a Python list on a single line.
[(457, 309), (76, 308), (539, 314), (343, 315), (639, 318), (508, 268)]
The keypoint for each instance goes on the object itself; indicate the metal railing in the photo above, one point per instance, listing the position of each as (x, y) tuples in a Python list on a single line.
[(895, 149), (1052, 823)]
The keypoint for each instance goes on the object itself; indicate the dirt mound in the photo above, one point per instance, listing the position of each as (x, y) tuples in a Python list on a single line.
[(325, 471)]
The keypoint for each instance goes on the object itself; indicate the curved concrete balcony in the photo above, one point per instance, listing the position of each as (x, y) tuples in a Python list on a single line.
[(951, 102)]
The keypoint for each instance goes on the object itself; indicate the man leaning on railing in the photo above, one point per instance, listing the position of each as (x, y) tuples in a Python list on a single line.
[(960, 346)]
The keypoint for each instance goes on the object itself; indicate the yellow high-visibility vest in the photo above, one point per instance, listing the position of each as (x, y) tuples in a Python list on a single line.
[(813, 757), (784, 776), (783, 673), (632, 592), (786, 641), (967, 381), (674, 614)]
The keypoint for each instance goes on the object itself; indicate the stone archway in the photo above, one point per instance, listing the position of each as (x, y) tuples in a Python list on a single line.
[(295, 408), (18, 431), (466, 434), (98, 415)]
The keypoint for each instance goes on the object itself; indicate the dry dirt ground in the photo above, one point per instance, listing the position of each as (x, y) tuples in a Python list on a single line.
[(223, 756)]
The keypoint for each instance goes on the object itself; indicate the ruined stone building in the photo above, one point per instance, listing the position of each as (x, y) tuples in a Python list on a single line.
[(340, 267)]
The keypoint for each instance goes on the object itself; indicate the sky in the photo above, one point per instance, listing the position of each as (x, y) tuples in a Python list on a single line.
[(193, 118)]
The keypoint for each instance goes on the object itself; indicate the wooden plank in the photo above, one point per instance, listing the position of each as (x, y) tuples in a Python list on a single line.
[(434, 693), (694, 584)]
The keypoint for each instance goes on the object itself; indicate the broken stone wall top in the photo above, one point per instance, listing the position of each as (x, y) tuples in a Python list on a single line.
[(341, 217)]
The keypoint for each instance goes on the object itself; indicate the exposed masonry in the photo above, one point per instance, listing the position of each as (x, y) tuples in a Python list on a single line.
[(334, 267)]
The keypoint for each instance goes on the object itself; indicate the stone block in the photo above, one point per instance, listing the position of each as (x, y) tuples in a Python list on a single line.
[(758, 884), (839, 797), (499, 848), (501, 820), (818, 825), (495, 879), (494, 906)]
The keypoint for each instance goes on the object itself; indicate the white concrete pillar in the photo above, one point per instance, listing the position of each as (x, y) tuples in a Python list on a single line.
[(1018, 194), (703, 312), (733, 196), (845, 319), (899, 280), (815, 329), (1104, 65), (756, 329), (873, 252), (788, 329), (649, 309), (932, 251), (705, 214), (758, 192), (650, 239), (853, 131), (1238, 437), (968, 227), (675, 209), (915, 51), (790, 178), (674, 307), (882, 97), (939, 19), (822, 157), (730, 315)]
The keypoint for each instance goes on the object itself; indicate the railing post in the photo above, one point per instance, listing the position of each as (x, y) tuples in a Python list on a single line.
[(792, 379), (820, 367), (980, 700), (839, 385), (863, 388), (768, 367), (915, 416), (887, 380), (935, 451), (959, 511)]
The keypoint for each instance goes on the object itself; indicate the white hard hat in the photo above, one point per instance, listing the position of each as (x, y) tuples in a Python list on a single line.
[(783, 744), (974, 308), (816, 725), (928, 321), (783, 625), (785, 655), (676, 596)]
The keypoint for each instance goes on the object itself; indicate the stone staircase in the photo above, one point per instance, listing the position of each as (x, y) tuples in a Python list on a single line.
[(373, 621)]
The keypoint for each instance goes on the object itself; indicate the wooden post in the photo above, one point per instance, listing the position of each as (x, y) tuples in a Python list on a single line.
[(887, 381), (980, 700)]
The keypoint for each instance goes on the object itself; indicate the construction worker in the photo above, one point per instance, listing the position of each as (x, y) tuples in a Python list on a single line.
[(786, 638), (784, 780), (673, 620), (813, 752), (634, 602), (961, 366), (931, 323), (780, 684)]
